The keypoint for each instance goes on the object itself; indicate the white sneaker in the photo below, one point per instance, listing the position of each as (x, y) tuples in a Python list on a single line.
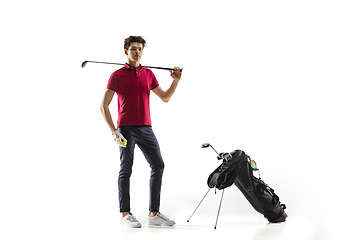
[(160, 220), (131, 221)]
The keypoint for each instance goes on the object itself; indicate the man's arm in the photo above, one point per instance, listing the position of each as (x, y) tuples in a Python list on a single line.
[(165, 96), (104, 108)]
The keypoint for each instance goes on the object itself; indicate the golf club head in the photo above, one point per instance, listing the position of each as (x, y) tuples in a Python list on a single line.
[(84, 64), (205, 145)]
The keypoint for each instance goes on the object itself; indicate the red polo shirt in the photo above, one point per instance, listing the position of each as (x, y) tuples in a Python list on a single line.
[(133, 88)]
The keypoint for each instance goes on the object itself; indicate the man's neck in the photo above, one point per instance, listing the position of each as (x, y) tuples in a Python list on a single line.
[(134, 65)]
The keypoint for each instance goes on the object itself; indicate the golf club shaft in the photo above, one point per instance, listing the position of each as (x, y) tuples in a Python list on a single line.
[(85, 62), (214, 149)]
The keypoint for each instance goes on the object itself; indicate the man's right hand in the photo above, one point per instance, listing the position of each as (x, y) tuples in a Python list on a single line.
[(119, 138)]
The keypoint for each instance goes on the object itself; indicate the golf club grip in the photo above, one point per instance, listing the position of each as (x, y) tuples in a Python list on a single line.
[(163, 68)]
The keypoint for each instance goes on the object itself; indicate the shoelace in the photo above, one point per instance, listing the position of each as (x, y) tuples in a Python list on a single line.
[(131, 218), (162, 216)]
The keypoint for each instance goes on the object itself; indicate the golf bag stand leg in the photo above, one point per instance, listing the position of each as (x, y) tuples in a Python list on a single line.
[(222, 195), (198, 205)]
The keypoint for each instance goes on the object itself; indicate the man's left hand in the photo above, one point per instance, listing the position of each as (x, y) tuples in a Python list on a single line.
[(176, 74)]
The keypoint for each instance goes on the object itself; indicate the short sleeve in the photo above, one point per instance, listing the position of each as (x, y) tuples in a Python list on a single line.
[(154, 82), (113, 83)]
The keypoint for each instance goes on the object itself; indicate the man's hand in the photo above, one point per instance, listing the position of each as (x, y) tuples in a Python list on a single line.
[(119, 138), (176, 74), (165, 96)]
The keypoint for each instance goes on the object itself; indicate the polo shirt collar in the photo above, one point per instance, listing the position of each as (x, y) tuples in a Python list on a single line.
[(132, 68)]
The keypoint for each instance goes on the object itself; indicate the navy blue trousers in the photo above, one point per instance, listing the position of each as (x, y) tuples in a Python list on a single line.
[(144, 137)]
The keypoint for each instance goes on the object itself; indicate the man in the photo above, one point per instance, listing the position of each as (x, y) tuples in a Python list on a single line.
[(133, 84)]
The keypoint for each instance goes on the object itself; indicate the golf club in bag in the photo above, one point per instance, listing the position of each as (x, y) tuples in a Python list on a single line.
[(237, 167)]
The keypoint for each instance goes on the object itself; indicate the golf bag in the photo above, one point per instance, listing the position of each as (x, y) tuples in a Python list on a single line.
[(237, 168)]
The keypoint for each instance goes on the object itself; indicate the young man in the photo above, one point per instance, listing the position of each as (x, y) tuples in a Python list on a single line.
[(133, 84)]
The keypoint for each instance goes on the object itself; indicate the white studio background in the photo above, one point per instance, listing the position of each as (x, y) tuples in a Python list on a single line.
[(260, 76)]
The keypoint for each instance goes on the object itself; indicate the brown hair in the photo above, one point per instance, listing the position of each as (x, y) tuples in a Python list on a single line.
[(131, 39)]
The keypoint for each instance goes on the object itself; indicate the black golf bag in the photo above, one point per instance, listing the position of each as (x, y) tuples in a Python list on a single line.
[(237, 167)]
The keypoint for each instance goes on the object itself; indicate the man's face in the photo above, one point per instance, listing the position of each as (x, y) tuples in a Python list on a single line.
[(134, 52)]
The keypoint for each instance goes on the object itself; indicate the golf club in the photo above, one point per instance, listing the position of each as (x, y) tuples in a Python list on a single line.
[(85, 63), (206, 145), (225, 156)]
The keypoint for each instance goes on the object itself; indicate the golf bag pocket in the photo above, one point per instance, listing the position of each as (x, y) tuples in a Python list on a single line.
[(218, 176), (261, 197), (265, 194), (225, 175)]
